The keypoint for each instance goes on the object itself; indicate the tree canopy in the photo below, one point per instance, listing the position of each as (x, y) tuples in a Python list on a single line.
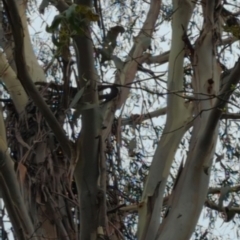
[(120, 119)]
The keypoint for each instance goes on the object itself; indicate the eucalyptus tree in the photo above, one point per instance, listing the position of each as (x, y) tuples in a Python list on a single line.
[(82, 155)]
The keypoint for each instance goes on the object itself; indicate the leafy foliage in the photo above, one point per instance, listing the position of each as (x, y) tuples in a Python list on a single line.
[(233, 26), (72, 22)]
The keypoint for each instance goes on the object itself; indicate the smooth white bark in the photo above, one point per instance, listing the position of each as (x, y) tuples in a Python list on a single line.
[(13, 85), (179, 114), (35, 70), (189, 195)]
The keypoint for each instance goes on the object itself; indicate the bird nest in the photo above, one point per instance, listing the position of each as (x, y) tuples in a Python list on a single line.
[(29, 134)]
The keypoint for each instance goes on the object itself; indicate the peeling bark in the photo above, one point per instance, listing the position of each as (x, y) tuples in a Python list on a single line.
[(191, 190)]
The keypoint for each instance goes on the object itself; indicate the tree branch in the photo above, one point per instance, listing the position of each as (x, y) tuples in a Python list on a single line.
[(136, 57), (230, 116), (13, 85), (141, 44), (228, 211), (25, 79), (231, 80), (164, 57), (136, 118), (158, 59), (89, 146), (12, 196), (217, 190)]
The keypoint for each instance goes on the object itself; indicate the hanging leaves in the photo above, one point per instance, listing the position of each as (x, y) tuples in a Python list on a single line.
[(87, 12), (232, 26), (74, 15), (71, 22)]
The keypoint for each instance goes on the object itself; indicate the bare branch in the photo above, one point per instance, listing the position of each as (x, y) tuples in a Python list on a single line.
[(137, 119), (164, 57), (228, 212), (231, 80), (158, 59), (141, 43), (217, 190), (127, 75), (230, 116)]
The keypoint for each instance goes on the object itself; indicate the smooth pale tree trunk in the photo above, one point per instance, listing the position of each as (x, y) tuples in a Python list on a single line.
[(191, 189), (13, 85), (179, 115), (35, 70)]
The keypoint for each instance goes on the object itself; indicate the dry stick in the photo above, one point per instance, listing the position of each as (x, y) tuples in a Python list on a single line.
[(57, 216), (25, 79)]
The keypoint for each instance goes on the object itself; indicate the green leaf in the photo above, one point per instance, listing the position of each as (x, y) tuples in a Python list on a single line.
[(76, 26), (70, 12), (55, 23), (92, 16), (87, 12)]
